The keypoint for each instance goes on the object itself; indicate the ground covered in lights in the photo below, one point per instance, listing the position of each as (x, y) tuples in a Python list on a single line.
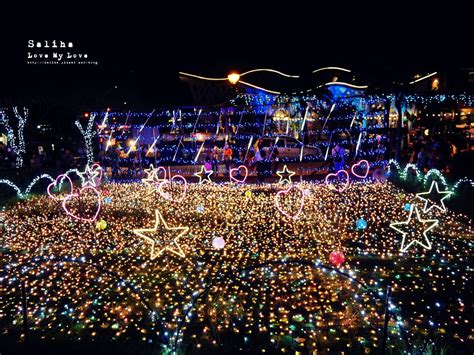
[(270, 289)]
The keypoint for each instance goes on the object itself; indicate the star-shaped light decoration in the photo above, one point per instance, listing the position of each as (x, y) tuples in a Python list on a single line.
[(408, 230), (204, 175), (285, 175), (159, 238), (152, 178), (91, 175), (432, 197)]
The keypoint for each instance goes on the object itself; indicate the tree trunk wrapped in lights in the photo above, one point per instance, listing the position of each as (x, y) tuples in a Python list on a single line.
[(16, 143)]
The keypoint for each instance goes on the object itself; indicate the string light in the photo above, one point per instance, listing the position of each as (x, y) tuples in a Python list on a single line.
[(17, 143), (28, 188), (88, 135), (251, 288)]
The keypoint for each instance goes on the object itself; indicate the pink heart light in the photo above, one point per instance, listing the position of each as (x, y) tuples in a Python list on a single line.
[(237, 170), (284, 192), (69, 197), (54, 183), (167, 195), (158, 169), (331, 185), (97, 167), (359, 164)]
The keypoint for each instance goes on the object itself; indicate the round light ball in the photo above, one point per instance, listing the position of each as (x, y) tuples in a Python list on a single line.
[(336, 257), (361, 223), (218, 243)]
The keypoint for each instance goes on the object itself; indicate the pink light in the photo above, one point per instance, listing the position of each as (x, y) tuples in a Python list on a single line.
[(53, 184), (96, 167), (358, 165), (236, 170), (331, 186), (284, 192), (158, 169), (73, 195), (167, 195)]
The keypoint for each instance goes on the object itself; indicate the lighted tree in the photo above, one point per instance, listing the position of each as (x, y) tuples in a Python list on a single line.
[(17, 142), (88, 135)]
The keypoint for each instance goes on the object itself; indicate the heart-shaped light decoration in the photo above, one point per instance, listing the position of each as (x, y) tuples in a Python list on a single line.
[(69, 198), (54, 184), (290, 214), (97, 168), (158, 169), (164, 185), (234, 171), (363, 165), (340, 173)]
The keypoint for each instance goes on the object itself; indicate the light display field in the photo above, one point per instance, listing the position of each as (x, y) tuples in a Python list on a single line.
[(222, 268)]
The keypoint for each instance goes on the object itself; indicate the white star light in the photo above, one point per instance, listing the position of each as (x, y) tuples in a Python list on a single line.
[(285, 175), (429, 193), (401, 227), (90, 176), (152, 179)]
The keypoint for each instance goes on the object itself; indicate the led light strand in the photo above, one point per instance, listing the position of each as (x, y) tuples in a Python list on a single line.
[(88, 135)]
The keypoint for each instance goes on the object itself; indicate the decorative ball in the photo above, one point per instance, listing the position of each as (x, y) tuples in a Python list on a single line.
[(105, 192), (361, 223), (336, 257), (101, 225), (200, 209), (108, 200), (407, 207), (248, 193), (307, 192), (218, 243)]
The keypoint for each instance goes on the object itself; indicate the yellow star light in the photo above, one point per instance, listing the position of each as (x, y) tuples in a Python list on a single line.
[(407, 229), (430, 200), (204, 175), (285, 175), (155, 238)]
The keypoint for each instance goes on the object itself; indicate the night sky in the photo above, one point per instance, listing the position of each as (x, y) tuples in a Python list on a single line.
[(141, 50)]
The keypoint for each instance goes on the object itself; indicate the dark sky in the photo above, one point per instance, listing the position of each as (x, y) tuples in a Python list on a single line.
[(141, 49)]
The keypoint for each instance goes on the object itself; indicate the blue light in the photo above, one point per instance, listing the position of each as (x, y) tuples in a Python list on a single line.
[(361, 224)]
